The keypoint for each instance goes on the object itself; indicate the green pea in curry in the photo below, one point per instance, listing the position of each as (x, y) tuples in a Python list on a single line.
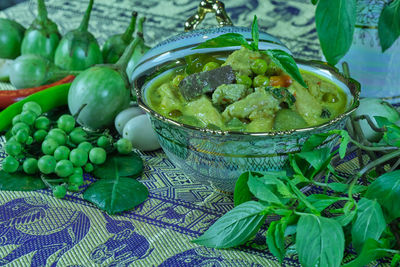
[(261, 97)]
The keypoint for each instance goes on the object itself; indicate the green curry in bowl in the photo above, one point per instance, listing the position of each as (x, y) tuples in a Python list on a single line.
[(245, 92)]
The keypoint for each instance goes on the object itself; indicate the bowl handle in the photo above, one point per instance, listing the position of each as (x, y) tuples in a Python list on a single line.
[(208, 6)]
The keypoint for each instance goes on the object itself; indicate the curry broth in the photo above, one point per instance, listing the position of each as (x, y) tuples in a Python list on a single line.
[(321, 102)]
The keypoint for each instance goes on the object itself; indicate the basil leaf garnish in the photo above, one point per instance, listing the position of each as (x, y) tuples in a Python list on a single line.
[(276, 239), (235, 227), (386, 190), (370, 223), (225, 40), (389, 24), (319, 241), (242, 192), (371, 251), (255, 33), (287, 63), (335, 21)]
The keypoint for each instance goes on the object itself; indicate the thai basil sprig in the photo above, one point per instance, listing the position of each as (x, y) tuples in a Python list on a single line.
[(336, 20), (318, 226), (279, 57)]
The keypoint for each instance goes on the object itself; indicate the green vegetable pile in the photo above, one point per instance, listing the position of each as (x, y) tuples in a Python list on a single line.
[(355, 214), (43, 152), (42, 55)]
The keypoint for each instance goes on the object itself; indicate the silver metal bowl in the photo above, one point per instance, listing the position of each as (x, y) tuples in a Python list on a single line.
[(218, 157)]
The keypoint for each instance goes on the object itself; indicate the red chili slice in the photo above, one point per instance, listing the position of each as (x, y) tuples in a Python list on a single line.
[(8, 97)]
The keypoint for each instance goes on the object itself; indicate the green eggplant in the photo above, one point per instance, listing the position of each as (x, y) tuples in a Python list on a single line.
[(33, 70), (140, 50), (115, 46), (98, 94), (11, 35), (78, 49), (42, 36)]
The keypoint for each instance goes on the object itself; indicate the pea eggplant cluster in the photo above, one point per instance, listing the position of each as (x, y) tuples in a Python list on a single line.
[(41, 55), (56, 150)]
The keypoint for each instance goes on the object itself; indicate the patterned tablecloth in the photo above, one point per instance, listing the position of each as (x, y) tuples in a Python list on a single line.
[(72, 232)]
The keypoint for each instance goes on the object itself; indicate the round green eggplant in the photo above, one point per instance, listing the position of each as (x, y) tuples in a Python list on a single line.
[(78, 49), (32, 70), (11, 35), (98, 94), (115, 45), (42, 36)]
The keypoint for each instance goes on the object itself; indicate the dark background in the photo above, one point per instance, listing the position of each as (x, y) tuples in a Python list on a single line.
[(7, 3)]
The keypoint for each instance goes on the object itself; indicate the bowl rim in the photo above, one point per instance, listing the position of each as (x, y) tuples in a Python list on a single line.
[(353, 85)]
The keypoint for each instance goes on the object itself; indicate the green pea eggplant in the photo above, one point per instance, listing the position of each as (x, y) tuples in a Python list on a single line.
[(33, 70), (115, 45), (11, 35), (42, 36), (78, 49), (99, 93), (140, 50)]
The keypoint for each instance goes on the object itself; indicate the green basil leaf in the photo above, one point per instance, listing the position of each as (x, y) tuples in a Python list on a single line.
[(20, 181), (395, 261), (386, 190), (293, 163), (335, 22), (372, 250), (321, 202), (343, 143), (275, 177), (389, 24), (346, 218), (225, 40), (344, 188), (115, 196), (242, 192), (314, 141), (319, 241), (300, 195), (291, 230), (370, 223), (130, 165), (318, 159), (235, 227), (287, 63), (276, 239), (255, 33), (265, 188), (392, 134)]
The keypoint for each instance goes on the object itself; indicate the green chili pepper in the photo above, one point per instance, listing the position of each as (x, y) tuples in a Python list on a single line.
[(42, 36), (48, 99), (11, 34), (78, 49), (115, 46)]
